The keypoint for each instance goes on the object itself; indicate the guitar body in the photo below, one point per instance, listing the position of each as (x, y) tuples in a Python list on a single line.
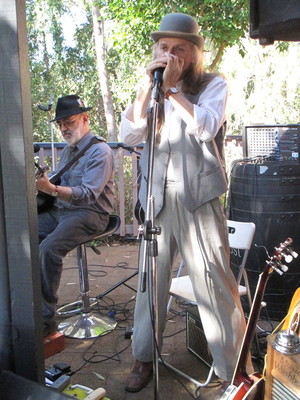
[(243, 392), (44, 202), (294, 306)]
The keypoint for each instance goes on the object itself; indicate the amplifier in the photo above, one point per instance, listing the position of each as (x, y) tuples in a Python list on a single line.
[(195, 338), (277, 142)]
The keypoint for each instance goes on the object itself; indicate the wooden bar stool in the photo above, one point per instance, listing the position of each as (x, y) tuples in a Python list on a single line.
[(86, 324)]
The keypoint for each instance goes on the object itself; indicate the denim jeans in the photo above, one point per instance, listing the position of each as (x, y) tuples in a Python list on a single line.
[(60, 231)]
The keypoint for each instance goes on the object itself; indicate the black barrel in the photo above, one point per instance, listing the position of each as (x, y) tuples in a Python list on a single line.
[(268, 194)]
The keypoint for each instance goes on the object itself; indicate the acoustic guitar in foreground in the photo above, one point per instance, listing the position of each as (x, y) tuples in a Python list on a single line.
[(244, 386)]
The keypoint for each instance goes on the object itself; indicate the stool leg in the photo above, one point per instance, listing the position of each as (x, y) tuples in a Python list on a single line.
[(83, 278), (86, 325), (86, 303)]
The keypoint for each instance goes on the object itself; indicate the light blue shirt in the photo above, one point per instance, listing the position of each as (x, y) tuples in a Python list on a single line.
[(91, 177)]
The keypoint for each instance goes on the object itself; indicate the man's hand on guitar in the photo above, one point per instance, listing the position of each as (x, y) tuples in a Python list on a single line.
[(43, 184), (40, 171)]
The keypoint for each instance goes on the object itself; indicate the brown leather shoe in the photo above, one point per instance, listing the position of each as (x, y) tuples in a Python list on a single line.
[(139, 376), (213, 393)]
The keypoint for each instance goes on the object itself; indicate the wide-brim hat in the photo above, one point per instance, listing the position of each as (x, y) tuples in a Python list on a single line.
[(179, 26), (69, 105)]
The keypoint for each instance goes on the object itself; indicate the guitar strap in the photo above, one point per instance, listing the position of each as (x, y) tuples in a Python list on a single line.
[(55, 178)]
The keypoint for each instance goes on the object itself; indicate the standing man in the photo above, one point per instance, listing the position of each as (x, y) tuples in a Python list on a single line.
[(188, 179), (83, 200)]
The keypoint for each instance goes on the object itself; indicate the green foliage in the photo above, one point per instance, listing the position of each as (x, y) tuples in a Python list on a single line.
[(58, 69), (260, 87), (221, 23)]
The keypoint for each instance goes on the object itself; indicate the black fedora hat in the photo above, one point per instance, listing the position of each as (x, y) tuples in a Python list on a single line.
[(181, 26), (69, 105)]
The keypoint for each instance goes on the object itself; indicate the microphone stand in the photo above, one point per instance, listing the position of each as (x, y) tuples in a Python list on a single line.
[(150, 231), (48, 109)]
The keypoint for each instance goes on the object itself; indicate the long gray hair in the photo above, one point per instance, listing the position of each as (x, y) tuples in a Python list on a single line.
[(192, 82), (194, 75)]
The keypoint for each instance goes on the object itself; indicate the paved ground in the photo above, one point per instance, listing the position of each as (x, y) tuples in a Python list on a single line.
[(106, 361)]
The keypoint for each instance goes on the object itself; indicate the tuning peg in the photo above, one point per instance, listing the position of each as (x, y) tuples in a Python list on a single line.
[(288, 258), (279, 272), (280, 268), (284, 268), (291, 252), (288, 254)]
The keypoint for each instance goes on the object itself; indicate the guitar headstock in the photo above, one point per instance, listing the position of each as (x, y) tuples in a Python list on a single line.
[(284, 250), (40, 171)]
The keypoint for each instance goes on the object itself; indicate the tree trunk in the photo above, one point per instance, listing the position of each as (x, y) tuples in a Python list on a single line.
[(98, 29), (218, 57)]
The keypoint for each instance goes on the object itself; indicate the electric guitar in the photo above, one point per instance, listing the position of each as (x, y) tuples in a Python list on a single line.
[(242, 385), (44, 200)]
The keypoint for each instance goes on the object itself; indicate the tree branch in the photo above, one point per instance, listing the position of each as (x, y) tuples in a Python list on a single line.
[(218, 57)]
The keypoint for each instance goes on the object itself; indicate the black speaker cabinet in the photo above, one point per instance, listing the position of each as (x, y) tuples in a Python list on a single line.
[(275, 20), (195, 337)]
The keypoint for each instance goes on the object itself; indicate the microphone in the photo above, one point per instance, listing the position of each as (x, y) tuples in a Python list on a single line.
[(40, 107), (48, 108), (157, 76), (36, 148), (156, 83), (128, 148)]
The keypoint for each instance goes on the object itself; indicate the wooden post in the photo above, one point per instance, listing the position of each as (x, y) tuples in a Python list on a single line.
[(20, 311)]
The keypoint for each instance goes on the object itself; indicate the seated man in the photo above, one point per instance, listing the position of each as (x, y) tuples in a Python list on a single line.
[(83, 200)]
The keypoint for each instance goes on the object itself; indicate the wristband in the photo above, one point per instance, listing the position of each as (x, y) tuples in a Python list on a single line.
[(55, 193)]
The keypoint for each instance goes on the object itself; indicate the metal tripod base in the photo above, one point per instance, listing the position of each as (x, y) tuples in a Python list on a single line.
[(86, 326), (189, 378), (75, 307)]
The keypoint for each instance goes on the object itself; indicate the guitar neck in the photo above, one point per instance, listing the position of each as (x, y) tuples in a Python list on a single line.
[(55, 178), (241, 381), (240, 373)]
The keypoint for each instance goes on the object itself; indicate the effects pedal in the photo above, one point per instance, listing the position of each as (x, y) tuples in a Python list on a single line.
[(53, 373)]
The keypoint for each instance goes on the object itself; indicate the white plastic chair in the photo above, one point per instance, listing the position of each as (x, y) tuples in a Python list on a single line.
[(240, 238)]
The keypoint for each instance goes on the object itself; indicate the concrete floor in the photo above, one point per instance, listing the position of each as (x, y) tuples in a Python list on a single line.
[(106, 361)]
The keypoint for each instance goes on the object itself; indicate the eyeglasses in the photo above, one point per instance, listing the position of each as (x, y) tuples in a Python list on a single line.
[(66, 122)]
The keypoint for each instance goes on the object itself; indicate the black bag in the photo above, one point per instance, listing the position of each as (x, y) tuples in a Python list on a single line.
[(139, 213)]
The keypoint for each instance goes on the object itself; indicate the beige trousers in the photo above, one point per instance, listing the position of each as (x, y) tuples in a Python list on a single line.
[(201, 238)]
